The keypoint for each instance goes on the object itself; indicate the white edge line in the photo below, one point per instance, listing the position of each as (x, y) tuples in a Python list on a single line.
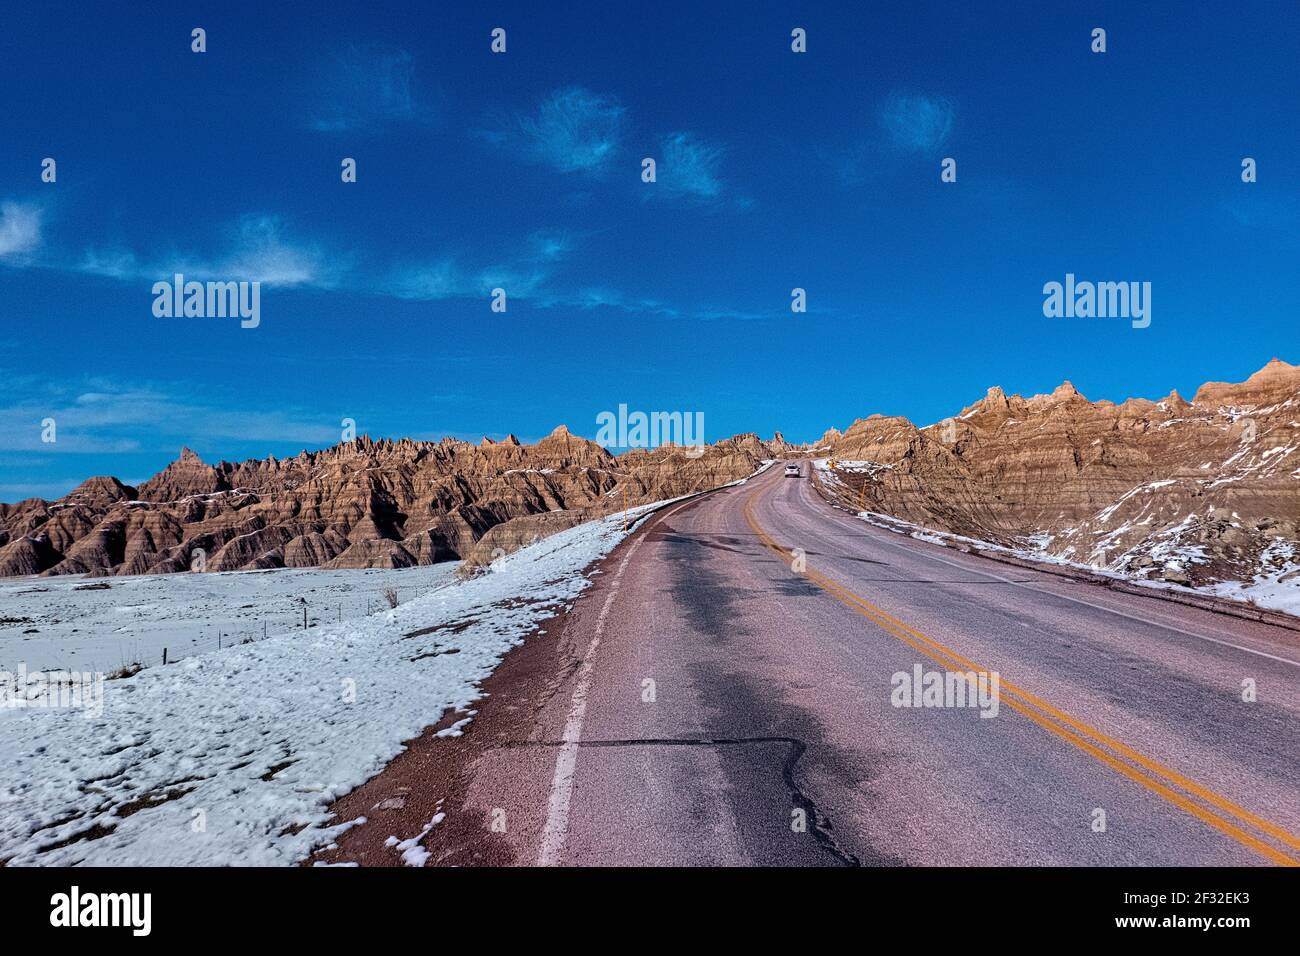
[(556, 832)]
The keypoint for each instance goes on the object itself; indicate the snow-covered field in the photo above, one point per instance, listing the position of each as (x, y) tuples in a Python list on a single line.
[(233, 756), (103, 624)]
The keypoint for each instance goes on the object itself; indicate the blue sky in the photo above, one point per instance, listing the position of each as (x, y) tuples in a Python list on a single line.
[(523, 171)]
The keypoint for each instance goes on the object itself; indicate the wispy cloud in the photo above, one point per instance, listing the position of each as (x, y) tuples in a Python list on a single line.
[(907, 124), (689, 167), (262, 253), (114, 263), (604, 297), (573, 130), (20, 229), (366, 87), (551, 246), (258, 250), (131, 430), (261, 249), (917, 122), (443, 279), (523, 277), (598, 297), (97, 416)]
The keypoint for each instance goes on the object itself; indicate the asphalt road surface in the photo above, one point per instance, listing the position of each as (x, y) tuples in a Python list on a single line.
[(730, 700)]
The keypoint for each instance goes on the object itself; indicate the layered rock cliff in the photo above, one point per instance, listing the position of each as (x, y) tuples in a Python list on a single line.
[(1200, 491), (1192, 492), (360, 504)]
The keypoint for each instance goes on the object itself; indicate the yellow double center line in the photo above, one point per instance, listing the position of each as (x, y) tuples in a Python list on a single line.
[(1225, 816)]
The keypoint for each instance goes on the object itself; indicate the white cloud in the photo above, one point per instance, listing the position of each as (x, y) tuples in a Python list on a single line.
[(444, 279), (917, 122), (263, 255), (573, 130), (690, 166), (259, 252), (550, 246), (111, 263), (523, 277), (20, 229)]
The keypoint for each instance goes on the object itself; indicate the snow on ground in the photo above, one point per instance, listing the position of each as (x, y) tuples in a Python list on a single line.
[(412, 851), (102, 624), (1277, 588), (831, 475), (233, 757), (1278, 583), (854, 466)]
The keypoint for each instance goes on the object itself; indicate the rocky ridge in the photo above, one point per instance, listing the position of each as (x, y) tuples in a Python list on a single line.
[(1192, 492), (360, 504)]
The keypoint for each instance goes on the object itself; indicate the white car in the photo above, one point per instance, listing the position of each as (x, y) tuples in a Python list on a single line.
[(792, 471)]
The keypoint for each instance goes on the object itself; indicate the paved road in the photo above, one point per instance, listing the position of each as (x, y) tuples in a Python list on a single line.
[(768, 736)]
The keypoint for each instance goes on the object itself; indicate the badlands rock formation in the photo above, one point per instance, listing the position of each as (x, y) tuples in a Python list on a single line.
[(360, 504), (1191, 492)]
